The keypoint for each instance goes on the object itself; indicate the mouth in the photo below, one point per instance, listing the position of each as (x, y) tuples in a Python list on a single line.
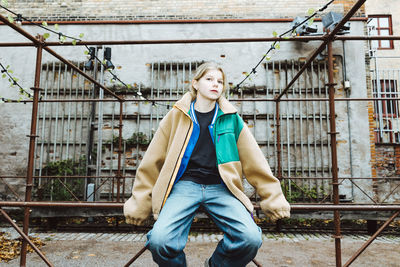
[(214, 91)]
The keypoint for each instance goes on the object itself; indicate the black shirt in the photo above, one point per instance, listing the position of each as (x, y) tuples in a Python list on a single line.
[(202, 167)]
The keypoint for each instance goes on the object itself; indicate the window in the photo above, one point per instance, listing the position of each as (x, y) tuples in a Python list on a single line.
[(387, 89), (381, 25)]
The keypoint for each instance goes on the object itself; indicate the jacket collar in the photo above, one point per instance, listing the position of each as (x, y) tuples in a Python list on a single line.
[(184, 103)]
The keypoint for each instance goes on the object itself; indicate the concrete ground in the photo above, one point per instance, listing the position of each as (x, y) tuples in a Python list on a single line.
[(85, 249)]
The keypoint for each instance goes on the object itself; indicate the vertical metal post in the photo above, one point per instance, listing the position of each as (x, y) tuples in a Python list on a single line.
[(333, 133), (278, 139), (31, 158), (91, 121), (119, 152), (100, 115)]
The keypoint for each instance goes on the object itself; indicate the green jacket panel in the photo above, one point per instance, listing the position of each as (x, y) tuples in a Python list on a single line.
[(226, 134)]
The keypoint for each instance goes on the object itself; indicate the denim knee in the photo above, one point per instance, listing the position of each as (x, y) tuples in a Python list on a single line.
[(156, 241), (251, 239), (162, 244)]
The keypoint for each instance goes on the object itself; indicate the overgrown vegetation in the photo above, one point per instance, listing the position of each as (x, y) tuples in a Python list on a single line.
[(63, 189), (138, 138), (300, 193)]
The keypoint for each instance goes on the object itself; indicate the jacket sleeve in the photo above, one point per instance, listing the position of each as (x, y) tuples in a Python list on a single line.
[(258, 173), (138, 208)]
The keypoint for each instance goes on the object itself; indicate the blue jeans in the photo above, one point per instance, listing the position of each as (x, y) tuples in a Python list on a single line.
[(167, 239)]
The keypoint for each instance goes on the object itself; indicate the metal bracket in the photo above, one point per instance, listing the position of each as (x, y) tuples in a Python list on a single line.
[(36, 88), (330, 84)]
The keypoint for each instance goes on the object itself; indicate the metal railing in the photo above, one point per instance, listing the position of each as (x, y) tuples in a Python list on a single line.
[(118, 176)]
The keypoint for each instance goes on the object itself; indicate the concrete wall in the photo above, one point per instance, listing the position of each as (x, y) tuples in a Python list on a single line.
[(238, 58)]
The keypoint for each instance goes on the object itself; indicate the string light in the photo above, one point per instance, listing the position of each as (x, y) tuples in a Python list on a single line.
[(14, 80), (62, 38), (18, 20), (275, 43)]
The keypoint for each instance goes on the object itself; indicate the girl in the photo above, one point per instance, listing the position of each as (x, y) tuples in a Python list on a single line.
[(197, 157)]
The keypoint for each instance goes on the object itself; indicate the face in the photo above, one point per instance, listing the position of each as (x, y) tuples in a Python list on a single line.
[(209, 87)]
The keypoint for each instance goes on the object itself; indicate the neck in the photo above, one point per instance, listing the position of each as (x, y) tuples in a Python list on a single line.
[(204, 105)]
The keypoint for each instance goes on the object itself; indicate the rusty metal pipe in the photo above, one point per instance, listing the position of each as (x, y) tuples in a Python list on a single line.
[(132, 176), (119, 151), (278, 139), (66, 176), (372, 238), (19, 30), (220, 40), (31, 155), (333, 133), (137, 255), (26, 238), (172, 21), (232, 100), (114, 205)]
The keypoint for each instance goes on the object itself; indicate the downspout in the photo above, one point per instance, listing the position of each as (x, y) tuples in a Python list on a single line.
[(347, 92)]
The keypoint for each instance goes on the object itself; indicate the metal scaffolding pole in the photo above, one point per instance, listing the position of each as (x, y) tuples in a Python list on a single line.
[(32, 139)]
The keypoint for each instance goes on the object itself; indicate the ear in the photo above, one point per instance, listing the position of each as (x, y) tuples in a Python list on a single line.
[(194, 84)]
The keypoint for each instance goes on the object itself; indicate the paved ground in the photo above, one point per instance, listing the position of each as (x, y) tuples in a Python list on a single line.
[(107, 249)]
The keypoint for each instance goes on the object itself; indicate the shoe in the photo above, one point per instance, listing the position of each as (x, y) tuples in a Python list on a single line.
[(207, 262)]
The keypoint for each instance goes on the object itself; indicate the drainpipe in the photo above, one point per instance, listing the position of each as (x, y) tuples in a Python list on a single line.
[(347, 92)]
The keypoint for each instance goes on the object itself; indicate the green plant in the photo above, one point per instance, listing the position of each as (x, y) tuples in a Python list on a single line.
[(56, 188), (295, 193), (138, 138)]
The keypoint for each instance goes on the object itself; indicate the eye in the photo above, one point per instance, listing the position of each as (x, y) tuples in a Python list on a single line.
[(220, 82)]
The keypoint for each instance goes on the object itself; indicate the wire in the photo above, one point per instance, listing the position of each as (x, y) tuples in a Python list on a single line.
[(14, 81), (115, 77), (60, 35), (292, 30)]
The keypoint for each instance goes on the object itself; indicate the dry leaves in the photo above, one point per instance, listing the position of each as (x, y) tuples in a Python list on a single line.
[(10, 249)]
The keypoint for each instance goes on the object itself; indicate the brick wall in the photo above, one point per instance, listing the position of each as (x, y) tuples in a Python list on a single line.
[(77, 10), (387, 160), (347, 5)]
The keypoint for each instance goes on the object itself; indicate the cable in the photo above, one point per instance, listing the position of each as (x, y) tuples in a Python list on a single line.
[(61, 35), (273, 46), (14, 81), (115, 77)]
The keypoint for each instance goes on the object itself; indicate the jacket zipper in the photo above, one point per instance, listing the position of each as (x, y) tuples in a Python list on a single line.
[(176, 163)]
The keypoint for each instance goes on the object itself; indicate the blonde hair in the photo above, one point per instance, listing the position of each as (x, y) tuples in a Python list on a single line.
[(202, 70)]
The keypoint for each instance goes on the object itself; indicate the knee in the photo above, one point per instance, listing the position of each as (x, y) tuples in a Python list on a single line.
[(162, 243), (157, 241), (252, 239)]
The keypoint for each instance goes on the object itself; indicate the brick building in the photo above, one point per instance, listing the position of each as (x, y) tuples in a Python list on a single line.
[(164, 70), (94, 10)]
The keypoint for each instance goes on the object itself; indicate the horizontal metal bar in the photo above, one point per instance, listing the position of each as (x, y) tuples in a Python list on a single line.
[(66, 176), (329, 207), (173, 21), (345, 207), (220, 40), (231, 100), (147, 116), (132, 176)]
